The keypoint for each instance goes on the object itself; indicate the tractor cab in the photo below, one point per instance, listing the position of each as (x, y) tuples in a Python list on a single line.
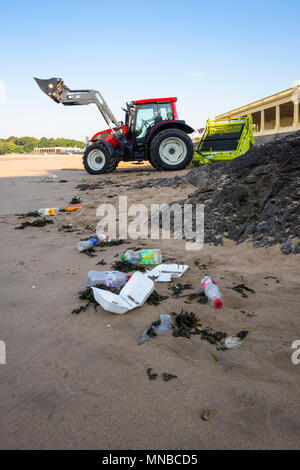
[(144, 115)]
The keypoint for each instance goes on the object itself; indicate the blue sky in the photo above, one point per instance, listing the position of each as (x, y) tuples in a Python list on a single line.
[(214, 56)]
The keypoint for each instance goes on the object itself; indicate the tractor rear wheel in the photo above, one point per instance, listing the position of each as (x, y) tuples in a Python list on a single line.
[(171, 149), (97, 159), (153, 162)]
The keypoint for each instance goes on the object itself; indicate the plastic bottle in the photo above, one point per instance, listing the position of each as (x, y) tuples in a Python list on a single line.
[(148, 257), (73, 208), (109, 278), (86, 244), (164, 324), (47, 211), (212, 292)]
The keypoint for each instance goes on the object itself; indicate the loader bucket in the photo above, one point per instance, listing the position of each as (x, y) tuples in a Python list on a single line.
[(54, 87)]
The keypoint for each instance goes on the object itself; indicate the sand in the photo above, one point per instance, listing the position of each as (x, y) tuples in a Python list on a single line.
[(70, 382)]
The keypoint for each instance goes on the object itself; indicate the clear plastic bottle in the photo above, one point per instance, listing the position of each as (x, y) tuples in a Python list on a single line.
[(212, 292), (47, 211), (109, 278), (86, 244), (147, 257)]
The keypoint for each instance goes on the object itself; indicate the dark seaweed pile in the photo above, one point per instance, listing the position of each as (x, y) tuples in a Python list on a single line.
[(255, 196)]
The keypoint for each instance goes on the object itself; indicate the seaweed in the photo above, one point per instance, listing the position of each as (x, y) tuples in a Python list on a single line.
[(126, 267), (101, 262), (184, 324), (150, 375), (75, 200), (240, 288), (213, 337), (242, 334), (166, 376), (36, 223), (87, 294), (27, 214), (202, 299), (200, 265), (155, 298), (67, 228), (178, 288)]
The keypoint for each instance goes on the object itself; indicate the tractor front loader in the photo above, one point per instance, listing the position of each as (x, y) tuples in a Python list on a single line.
[(151, 131)]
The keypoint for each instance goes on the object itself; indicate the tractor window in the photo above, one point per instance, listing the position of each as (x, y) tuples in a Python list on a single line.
[(146, 117), (166, 111)]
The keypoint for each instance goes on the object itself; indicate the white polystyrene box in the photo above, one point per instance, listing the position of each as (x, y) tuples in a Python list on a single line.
[(134, 294), (167, 272)]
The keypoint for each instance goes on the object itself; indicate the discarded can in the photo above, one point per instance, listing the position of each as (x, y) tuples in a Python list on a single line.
[(212, 292), (147, 257)]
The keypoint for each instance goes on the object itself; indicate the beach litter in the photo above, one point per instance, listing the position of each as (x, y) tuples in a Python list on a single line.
[(233, 342), (145, 257), (212, 292), (72, 208), (89, 243), (47, 211), (109, 278), (157, 327), (75, 200), (167, 272), (207, 415), (134, 294)]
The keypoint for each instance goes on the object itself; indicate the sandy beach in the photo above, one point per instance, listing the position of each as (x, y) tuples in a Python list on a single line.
[(71, 382)]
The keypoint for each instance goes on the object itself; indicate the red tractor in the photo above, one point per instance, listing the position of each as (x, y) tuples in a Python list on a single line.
[(152, 131)]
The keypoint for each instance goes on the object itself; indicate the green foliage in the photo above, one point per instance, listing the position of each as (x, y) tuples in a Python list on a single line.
[(8, 147), (26, 144)]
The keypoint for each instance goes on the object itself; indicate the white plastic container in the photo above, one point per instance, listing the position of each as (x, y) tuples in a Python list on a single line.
[(167, 272), (134, 294)]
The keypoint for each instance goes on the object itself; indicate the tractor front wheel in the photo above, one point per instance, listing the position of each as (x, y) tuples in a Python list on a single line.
[(97, 159), (171, 149)]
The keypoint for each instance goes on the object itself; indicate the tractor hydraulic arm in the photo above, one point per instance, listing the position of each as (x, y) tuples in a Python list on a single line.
[(59, 92)]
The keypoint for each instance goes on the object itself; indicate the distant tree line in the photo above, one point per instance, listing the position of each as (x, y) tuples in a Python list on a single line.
[(27, 144)]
